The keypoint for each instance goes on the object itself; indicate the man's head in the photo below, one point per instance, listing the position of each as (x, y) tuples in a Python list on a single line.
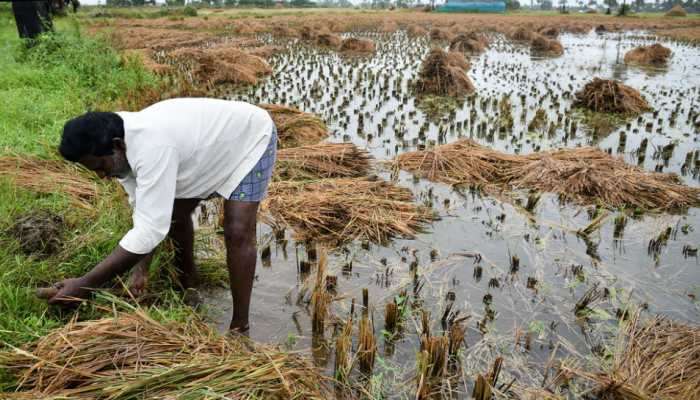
[(96, 140)]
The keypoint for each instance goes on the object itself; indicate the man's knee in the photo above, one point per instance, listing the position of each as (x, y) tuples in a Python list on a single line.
[(239, 233)]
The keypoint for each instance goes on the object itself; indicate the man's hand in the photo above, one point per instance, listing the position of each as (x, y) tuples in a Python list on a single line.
[(70, 291), (139, 278)]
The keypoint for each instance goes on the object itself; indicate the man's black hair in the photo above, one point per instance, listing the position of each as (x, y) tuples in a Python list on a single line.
[(90, 134)]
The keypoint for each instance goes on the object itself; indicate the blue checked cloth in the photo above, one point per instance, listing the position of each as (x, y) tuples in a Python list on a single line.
[(254, 186)]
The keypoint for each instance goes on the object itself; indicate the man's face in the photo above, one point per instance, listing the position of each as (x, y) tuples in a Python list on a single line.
[(111, 166)]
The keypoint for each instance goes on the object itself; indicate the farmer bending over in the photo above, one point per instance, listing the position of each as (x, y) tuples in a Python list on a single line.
[(169, 157)]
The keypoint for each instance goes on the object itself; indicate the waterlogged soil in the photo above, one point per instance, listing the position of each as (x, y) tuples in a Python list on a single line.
[(469, 251)]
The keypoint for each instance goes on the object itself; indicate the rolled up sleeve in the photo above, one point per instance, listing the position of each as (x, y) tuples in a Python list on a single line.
[(156, 177)]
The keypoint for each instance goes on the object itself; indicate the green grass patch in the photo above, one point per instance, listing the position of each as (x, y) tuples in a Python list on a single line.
[(63, 75)]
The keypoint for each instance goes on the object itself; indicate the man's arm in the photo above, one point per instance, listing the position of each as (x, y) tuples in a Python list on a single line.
[(118, 262), (156, 177)]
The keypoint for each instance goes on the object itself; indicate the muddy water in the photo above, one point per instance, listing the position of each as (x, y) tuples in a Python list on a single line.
[(555, 265)]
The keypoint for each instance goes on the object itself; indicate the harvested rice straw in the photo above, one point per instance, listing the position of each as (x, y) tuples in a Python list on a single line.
[(589, 176), (294, 127), (131, 354), (656, 54), (220, 64), (461, 162), (50, 176), (655, 359), (341, 210), (325, 160), (585, 175), (610, 96)]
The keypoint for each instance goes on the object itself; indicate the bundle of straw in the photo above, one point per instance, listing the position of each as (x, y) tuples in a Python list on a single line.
[(325, 160), (337, 211), (134, 356), (221, 64), (659, 359), (590, 176), (294, 127), (50, 176), (609, 96), (586, 175), (461, 162), (656, 54), (544, 46), (357, 45), (439, 76)]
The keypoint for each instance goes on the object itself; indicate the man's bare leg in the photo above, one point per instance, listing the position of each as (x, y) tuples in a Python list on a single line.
[(182, 235), (239, 230)]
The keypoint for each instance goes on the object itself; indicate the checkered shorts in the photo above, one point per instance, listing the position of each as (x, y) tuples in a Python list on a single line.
[(254, 186)]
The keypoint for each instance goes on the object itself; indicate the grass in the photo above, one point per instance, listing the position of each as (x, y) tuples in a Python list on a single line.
[(63, 75)]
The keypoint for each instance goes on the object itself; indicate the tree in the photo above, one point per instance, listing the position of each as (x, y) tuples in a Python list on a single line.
[(546, 4), (512, 5)]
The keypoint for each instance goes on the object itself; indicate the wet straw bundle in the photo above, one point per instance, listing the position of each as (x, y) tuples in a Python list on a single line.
[(440, 76), (50, 176), (356, 45), (461, 162), (657, 359), (457, 59), (439, 34), (326, 160), (655, 55), (327, 39), (585, 175), (470, 43), (132, 355), (589, 176), (221, 64), (522, 35), (543, 46), (609, 96), (294, 127), (416, 30), (341, 210)]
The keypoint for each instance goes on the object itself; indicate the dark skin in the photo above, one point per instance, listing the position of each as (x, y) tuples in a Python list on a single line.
[(239, 231)]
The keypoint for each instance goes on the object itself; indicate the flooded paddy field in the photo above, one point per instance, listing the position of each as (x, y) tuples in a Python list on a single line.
[(388, 279), (517, 272)]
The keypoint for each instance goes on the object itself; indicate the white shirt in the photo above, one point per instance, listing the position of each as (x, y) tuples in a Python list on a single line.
[(182, 149)]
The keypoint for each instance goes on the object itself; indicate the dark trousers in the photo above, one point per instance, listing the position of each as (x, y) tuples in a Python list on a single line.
[(32, 17)]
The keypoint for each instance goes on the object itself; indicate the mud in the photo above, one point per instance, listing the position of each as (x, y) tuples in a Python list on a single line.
[(39, 233)]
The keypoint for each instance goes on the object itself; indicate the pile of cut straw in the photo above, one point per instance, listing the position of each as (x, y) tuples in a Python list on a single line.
[(341, 210), (658, 359), (462, 162), (294, 127), (134, 356), (50, 176), (656, 55), (610, 96), (440, 76), (325, 160), (586, 175)]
